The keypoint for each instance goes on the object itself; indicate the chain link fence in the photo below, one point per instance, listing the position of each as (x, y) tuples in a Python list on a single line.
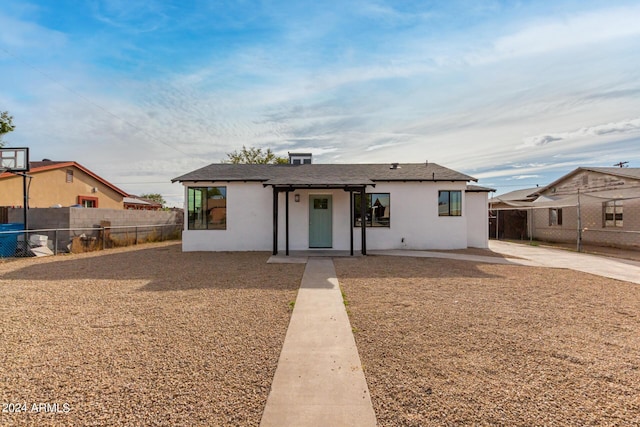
[(17, 242)]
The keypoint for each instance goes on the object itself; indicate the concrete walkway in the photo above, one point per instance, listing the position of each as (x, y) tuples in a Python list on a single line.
[(319, 379), (619, 269)]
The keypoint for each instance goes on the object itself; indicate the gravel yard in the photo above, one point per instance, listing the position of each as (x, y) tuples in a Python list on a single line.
[(144, 335), (460, 343)]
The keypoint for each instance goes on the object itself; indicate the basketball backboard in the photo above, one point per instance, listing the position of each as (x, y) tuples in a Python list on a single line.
[(14, 159)]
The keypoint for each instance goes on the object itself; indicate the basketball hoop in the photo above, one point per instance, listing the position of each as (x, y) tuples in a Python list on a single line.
[(14, 159)]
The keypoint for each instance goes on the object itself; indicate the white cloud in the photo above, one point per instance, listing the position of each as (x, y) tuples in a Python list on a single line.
[(564, 32), (519, 177), (24, 36), (626, 127)]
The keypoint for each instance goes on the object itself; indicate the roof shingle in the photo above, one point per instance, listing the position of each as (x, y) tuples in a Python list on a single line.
[(323, 174)]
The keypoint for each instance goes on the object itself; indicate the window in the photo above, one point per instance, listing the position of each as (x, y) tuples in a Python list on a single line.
[(377, 210), (450, 203), (69, 175), (612, 213), (88, 202), (207, 208), (320, 203), (555, 216)]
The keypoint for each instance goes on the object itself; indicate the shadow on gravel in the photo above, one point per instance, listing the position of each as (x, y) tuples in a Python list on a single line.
[(166, 268)]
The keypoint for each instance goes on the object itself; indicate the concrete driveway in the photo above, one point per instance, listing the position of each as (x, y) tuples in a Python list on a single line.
[(614, 268)]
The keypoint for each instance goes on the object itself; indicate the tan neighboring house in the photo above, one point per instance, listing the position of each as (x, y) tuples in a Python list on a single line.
[(54, 184), (596, 205)]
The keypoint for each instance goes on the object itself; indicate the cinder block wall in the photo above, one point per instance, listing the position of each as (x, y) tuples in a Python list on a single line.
[(79, 218), (591, 215), (40, 218)]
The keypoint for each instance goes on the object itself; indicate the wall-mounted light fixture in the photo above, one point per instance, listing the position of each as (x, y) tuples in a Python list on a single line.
[(296, 197)]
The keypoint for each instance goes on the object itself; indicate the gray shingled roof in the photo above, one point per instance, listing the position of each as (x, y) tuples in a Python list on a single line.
[(479, 189), (323, 174)]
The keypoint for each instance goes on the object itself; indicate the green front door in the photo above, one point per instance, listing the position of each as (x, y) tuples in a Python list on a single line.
[(320, 222)]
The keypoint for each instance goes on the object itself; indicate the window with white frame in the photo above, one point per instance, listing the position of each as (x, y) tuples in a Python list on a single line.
[(612, 213)]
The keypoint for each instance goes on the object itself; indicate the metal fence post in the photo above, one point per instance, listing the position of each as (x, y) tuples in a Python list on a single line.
[(136, 242), (55, 242), (104, 237)]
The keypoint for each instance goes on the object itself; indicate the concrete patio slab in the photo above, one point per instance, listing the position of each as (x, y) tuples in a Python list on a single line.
[(319, 378)]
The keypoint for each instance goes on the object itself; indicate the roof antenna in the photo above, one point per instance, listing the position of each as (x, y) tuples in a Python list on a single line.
[(622, 164)]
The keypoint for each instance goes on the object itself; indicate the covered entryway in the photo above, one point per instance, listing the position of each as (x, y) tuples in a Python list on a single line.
[(320, 221)]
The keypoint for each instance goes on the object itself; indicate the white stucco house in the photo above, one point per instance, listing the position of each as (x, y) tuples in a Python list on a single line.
[(302, 206)]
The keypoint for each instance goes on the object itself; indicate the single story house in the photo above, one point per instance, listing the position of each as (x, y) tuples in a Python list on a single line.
[(136, 203), (596, 205), (60, 183), (302, 206)]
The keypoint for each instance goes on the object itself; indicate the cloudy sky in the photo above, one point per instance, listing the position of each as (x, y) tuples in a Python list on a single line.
[(515, 93)]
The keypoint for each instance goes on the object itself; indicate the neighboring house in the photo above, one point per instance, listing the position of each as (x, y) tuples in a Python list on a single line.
[(597, 205), (511, 223), (141, 204), (305, 206), (54, 183)]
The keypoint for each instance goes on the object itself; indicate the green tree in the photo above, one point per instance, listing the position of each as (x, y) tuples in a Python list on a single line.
[(6, 125), (155, 197), (253, 155)]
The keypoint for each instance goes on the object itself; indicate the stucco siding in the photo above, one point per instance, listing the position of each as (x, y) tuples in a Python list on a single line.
[(414, 219), (49, 188), (249, 221), (477, 217)]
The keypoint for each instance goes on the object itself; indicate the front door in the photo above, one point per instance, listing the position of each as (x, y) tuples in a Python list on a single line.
[(320, 222)]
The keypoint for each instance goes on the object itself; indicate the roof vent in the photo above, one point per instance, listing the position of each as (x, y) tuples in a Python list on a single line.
[(395, 166)]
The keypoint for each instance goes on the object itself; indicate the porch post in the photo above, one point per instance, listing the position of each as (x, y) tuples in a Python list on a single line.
[(286, 205), (351, 218), (363, 218), (275, 221)]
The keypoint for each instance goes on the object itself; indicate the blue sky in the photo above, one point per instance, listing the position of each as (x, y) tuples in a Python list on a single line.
[(515, 93)]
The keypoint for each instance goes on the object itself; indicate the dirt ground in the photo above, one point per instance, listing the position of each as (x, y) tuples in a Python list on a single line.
[(460, 343), (144, 335)]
